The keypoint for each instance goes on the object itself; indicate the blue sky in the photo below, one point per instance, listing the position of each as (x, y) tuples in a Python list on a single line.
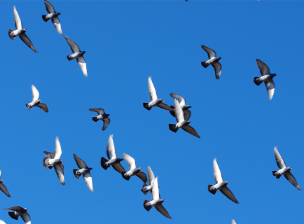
[(125, 43)]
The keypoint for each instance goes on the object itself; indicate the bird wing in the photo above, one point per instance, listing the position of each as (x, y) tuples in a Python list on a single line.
[(58, 150), (59, 171), (43, 106), (74, 47), (164, 106), (130, 160), (225, 190), (57, 25), (263, 67), (83, 65), (211, 53), (111, 151), (162, 210), (280, 161), (150, 175), (288, 175), (217, 172), (152, 90), (14, 208), (179, 115), (18, 22), (26, 218), (180, 99), (88, 179), (49, 7), (190, 130), (270, 88), (4, 190), (155, 189), (27, 41), (217, 69), (187, 115), (0, 174), (118, 167), (35, 93), (142, 176), (233, 222), (49, 153), (80, 163), (106, 122), (100, 111)]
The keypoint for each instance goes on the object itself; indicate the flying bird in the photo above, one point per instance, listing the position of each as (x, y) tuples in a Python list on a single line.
[(156, 201), (213, 60), (36, 102), (84, 170), (101, 116), (154, 99), (266, 77), (284, 170), (20, 31), (182, 103), (220, 183), (133, 170), (146, 188), (53, 15), (53, 160), (182, 118), (19, 211), (78, 54), (2, 186)]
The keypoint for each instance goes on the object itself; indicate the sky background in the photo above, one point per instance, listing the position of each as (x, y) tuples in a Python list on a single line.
[(125, 43)]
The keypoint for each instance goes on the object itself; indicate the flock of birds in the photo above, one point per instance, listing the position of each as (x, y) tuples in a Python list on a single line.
[(180, 111)]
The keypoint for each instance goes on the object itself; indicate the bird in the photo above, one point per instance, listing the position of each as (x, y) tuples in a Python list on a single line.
[(78, 54), (284, 170), (182, 103), (53, 15), (213, 60), (53, 160), (233, 222), (266, 77), (133, 170), (156, 201), (220, 184), (2, 187), (20, 31), (182, 120), (19, 211), (36, 102), (85, 171), (146, 188), (101, 116), (154, 99)]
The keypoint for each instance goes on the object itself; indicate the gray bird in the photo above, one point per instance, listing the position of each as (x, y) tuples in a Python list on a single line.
[(20, 31), (53, 160), (156, 201), (154, 99), (101, 116), (220, 183), (133, 170), (213, 60), (78, 54), (19, 211), (2, 186), (182, 118), (84, 170), (53, 15), (146, 188), (182, 103), (266, 77), (36, 102), (284, 170)]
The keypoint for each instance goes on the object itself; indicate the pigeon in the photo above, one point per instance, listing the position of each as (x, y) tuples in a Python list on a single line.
[(2, 186), (36, 102), (19, 211), (101, 116), (233, 222), (154, 99), (53, 160), (156, 201), (182, 120), (53, 15), (20, 31), (78, 54), (133, 170), (267, 78), (182, 103), (84, 170), (146, 188), (213, 60), (220, 184), (284, 169)]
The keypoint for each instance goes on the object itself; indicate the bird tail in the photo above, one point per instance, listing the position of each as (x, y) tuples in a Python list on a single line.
[(103, 163), (45, 18), (211, 190), (75, 174), (9, 34), (147, 207), (144, 191), (69, 57), (13, 215), (204, 64), (94, 119), (274, 174), (172, 127), (146, 106), (172, 112), (257, 81), (123, 175)]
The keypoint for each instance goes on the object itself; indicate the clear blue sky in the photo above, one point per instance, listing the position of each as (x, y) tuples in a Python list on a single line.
[(126, 42)]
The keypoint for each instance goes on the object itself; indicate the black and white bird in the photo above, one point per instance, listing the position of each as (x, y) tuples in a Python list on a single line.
[(53, 160), (182, 103), (146, 188), (78, 54), (2, 186), (213, 60), (266, 77), (284, 170), (154, 99), (20, 31), (156, 201), (101, 116), (36, 102), (53, 15), (182, 118), (83, 170), (133, 169), (19, 211), (220, 183)]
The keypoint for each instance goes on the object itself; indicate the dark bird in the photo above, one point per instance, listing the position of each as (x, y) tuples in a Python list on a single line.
[(101, 116), (53, 15), (19, 211), (83, 170), (213, 60), (36, 102), (2, 186)]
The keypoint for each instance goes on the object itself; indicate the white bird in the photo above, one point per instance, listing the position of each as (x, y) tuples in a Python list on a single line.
[(133, 170), (53, 15), (20, 31), (213, 60), (146, 188), (36, 102), (19, 211), (84, 170)]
